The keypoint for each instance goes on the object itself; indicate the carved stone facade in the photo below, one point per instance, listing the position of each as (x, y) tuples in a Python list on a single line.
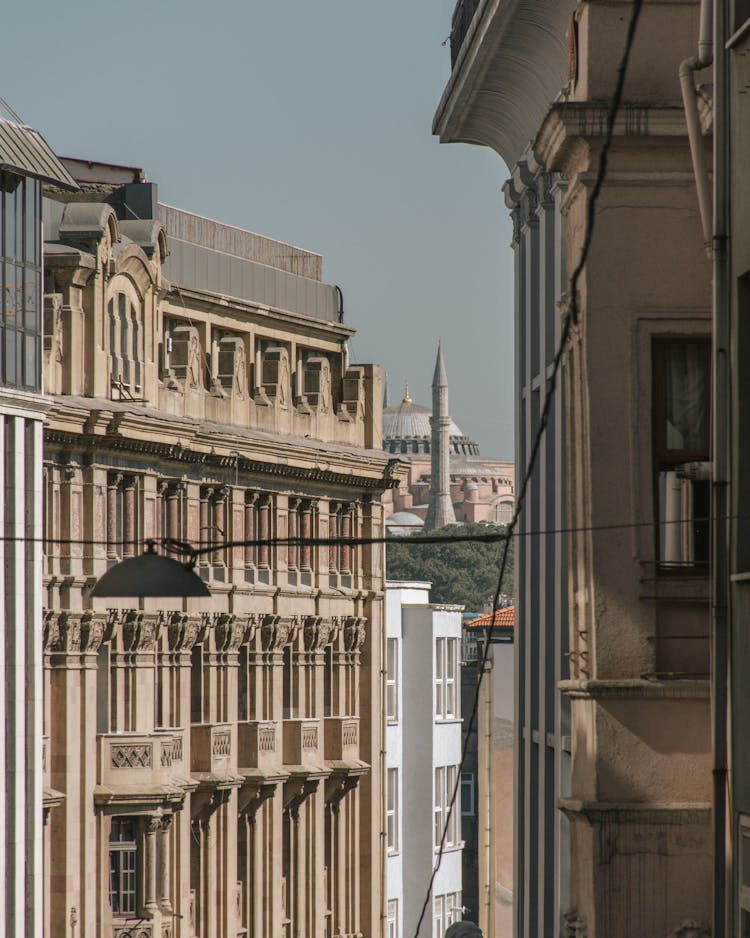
[(218, 760)]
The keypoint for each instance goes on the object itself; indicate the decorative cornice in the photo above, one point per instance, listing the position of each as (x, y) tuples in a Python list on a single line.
[(139, 630), (182, 630), (317, 632), (75, 632)]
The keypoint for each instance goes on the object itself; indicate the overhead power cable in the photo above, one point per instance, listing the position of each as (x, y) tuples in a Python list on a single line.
[(569, 320)]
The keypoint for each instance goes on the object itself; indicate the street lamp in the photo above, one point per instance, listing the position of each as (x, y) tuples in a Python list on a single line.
[(151, 575)]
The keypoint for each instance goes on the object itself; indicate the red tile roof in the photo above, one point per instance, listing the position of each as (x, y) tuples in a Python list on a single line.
[(505, 616)]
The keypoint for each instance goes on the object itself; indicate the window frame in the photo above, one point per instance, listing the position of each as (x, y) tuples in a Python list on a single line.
[(391, 918), (391, 680), (118, 849), (391, 811), (468, 783), (665, 459), (447, 683)]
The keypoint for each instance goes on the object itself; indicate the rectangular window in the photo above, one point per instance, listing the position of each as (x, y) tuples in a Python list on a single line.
[(391, 680), (467, 794), (446, 678), (392, 919), (391, 811), (438, 907), (123, 866), (681, 434), (445, 784), (453, 908)]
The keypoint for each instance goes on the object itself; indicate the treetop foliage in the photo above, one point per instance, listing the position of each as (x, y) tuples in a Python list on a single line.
[(464, 573)]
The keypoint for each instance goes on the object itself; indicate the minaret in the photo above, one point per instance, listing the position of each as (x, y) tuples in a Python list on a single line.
[(440, 511)]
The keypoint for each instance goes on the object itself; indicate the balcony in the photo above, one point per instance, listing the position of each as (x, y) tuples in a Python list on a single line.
[(463, 14), (212, 748), (342, 739), (259, 745), (302, 742), (135, 760)]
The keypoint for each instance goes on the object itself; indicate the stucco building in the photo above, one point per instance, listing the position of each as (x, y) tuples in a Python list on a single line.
[(445, 467), (218, 761), (423, 755), (613, 718)]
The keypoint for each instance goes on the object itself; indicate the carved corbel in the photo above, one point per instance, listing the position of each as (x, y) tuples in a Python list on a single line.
[(253, 796), (139, 630), (182, 630), (354, 633), (316, 632), (81, 632), (229, 632), (337, 788), (296, 792)]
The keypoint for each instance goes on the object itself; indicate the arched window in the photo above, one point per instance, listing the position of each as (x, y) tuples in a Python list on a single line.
[(126, 352)]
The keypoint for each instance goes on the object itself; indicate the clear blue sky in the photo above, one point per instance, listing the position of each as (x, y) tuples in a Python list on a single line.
[(308, 121)]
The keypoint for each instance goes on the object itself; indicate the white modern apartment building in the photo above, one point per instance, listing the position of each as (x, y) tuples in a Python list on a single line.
[(423, 745)]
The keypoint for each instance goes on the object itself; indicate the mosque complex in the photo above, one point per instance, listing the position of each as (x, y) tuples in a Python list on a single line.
[(449, 481)]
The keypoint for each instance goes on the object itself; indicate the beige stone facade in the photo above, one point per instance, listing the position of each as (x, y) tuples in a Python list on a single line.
[(613, 634), (213, 766)]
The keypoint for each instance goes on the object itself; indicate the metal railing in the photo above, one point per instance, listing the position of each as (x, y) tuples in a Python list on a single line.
[(462, 17)]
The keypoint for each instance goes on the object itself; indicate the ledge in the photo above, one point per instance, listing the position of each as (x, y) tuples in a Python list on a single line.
[(662, 813), (636, 688)]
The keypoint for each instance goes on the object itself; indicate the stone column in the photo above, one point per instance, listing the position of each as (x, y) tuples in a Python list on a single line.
[(173, 510), (293, 551), (251, 499), (113, 481), (333, 532), (306, 550), (219, 528), (346, 532), (150, 905), (163, 885), (264, 522), (129, 519)]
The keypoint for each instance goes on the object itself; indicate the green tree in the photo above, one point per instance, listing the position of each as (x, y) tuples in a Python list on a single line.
[(464, 573)]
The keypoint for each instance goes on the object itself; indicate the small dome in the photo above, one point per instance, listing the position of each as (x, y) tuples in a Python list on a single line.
[(404, 523), (408, 419)]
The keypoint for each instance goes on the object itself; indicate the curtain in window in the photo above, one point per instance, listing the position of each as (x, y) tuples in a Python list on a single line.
[(686, 397)]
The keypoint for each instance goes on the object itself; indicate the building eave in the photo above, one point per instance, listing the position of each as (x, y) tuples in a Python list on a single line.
[(511, 67)]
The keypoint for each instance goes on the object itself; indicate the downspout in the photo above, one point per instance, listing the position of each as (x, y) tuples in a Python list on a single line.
[(721, 525), (690, 101)]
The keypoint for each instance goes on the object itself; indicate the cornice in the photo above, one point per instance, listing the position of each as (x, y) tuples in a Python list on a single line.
[(636, 689), (139, 433), (570, 125), (213, 302)]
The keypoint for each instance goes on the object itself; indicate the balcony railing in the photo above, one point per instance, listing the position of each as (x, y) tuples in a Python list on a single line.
[(302, 741), (212, 748), (462, 17), (258, 744), (342, 738), (139, 758)]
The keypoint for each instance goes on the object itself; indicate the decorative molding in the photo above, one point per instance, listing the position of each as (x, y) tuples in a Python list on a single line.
[(276, 632), (267, 738), (139, 630), (182, 630), (77, 632), (221, 744), (309, 733), (354, 633), (316, 632), (350, 733), (137, 756), (229, 631)]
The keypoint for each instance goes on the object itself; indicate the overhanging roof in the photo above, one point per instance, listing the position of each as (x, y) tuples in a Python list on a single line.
[(510, 68), (24, 151)]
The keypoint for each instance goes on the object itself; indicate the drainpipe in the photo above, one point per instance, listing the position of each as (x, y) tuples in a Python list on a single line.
[(690, 101), (721, 526)]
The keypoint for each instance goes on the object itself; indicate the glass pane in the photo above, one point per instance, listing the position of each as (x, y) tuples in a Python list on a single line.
[(30, 367), (30, 299), (31, 250), (9, 225), (10, 288), (686, 396), (9, 356)]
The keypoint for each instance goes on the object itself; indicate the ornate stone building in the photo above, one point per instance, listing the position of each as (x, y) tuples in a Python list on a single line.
[(214, 766)]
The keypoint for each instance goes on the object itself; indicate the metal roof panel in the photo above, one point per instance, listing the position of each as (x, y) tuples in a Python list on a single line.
[(24, 151)]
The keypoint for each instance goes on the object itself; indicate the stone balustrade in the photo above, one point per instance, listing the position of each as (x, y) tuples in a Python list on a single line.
[(341, 738), (302, 741), (212, 748), (259, 744)]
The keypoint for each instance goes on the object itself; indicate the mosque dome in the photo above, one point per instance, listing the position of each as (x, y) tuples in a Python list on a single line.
[(407, 431), (404, 522)]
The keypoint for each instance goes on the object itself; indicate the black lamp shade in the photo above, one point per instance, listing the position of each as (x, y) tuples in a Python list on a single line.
[(150, 574)]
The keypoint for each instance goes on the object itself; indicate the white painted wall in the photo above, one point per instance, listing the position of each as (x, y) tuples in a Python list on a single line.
[(417, 744)]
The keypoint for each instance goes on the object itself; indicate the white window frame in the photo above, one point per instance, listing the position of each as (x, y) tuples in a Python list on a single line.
[(447, 701), (391, 680), (438, 915), (391, 811), (445, 781), (392, 919)]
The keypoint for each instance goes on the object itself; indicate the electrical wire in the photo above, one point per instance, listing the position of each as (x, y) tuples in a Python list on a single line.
[(570, 319)]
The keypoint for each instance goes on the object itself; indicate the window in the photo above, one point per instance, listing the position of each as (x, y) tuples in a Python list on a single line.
[(445, 784), (392, 919), (391, 811), (447, 910), (123, 866), (20, 276), (391, 680), (446, 678), (467, 794), (125, 345), (681, 389)]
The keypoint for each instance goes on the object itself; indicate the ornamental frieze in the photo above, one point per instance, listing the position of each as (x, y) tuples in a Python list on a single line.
[(354, 633), (135, 756), (316, 632), (139, 630), (182, 630), (75, 632)]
